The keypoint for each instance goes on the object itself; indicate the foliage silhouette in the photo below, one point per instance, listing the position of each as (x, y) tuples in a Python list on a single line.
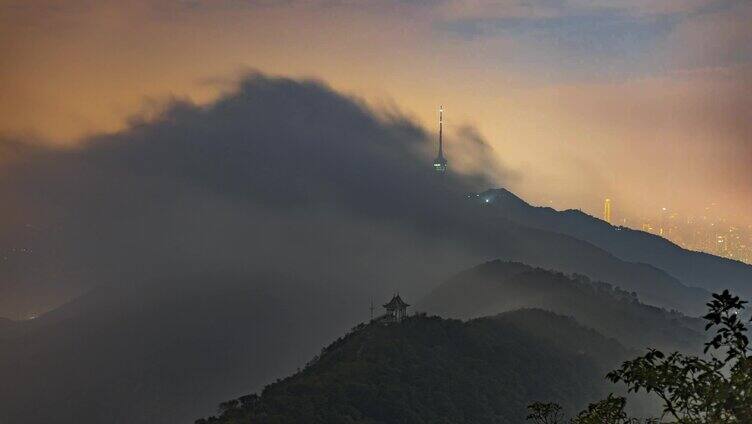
[(433, 370), (714, 389), (545, 413)]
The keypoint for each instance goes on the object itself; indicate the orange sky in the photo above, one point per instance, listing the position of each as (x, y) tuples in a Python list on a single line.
[(644, 101)]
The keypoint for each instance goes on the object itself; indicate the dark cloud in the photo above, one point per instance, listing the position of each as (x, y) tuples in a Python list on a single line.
[(262, 174), (218, 248)]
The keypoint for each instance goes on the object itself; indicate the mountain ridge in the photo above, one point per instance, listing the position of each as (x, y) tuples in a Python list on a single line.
[(499, 286), (693, 268), (433, 370)]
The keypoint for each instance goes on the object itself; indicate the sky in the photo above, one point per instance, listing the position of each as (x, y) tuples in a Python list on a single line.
[(643, 101)]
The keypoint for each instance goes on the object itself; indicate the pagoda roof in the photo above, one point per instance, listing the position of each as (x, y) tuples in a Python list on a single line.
[(396, 302)]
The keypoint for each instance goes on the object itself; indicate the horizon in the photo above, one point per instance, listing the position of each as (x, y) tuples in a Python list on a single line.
[(646, 107), (203, 201)]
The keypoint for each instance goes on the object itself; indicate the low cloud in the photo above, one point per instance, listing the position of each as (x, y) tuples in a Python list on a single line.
[(279, 175)]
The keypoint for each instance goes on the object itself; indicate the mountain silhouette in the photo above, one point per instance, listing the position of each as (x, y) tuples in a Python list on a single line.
[(161, 354), (431, 370), (278, 175), (692, 268), (500, 286), (219, 245)]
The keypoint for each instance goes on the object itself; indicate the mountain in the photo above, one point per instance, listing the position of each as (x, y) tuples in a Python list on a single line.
[(228, 241), (692, 268), (169, 351), (163, 354), (272, 172), (552, 250), (432, 370), (500, 286)]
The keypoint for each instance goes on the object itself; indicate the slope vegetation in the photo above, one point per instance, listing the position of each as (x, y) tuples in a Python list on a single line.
[(431, 370), (499, 286)]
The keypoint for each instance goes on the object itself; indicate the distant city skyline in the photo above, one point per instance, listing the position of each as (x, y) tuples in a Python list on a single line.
[(706, 231)]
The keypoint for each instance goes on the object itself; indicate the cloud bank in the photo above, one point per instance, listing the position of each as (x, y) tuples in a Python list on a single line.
[(278, 175)]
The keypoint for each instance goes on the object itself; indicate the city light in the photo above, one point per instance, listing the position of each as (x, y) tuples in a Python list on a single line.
[(707, 233)]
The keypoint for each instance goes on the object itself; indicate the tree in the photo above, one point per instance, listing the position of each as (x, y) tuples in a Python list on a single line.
[(698, 390), (606, 411), (544, 413), (248, 402), (712, 390), (229, 406)]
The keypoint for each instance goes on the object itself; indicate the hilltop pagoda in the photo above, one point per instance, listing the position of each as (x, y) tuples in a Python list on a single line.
[(396, 309)]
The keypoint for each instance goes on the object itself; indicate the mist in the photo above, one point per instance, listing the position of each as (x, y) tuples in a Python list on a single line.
[(208, 250), (256, 181)]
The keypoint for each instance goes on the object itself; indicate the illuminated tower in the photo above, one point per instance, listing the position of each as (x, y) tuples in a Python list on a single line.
[(607, 211), (440, 163)]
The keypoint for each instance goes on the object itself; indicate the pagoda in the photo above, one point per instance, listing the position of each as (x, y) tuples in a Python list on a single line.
[(396, 309)]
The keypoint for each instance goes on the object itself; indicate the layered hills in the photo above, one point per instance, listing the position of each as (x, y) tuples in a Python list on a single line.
[(220, 245), (693, 268), (432, 370), (500, 286)]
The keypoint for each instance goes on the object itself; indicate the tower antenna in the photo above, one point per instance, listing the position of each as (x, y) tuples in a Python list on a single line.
[(441, 131), (440, 163)]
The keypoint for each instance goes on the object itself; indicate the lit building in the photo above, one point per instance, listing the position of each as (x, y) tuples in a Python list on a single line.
[(721, 245), (607, 210), (708, 233)]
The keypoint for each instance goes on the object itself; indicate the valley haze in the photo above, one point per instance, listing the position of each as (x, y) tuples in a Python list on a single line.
[(214, 248)]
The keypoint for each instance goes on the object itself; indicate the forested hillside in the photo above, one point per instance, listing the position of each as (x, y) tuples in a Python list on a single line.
[(432, 370), (500, 286)]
